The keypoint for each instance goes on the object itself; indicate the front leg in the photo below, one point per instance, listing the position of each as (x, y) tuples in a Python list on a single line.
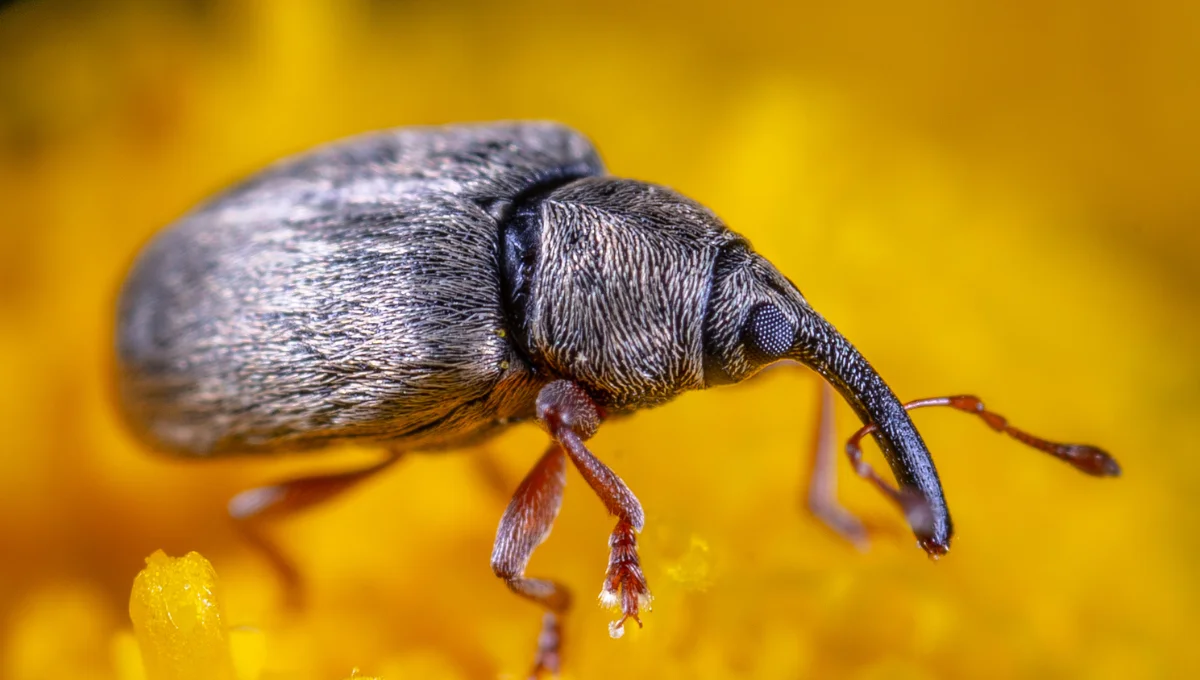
[(572, 417), (526, 523)]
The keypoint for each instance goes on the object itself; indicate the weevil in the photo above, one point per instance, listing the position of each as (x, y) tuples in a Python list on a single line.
[(423, 288)]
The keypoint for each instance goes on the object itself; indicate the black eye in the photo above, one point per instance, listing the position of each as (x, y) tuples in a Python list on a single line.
[(767, 335)]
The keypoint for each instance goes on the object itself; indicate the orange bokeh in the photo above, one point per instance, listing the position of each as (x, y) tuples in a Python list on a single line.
[(996, 198)]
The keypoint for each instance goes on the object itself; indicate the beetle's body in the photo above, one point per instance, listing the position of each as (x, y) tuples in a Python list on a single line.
[(420, 288), (353, 292), (362, 291)]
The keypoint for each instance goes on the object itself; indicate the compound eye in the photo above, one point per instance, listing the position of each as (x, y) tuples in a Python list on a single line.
[(767, 335)]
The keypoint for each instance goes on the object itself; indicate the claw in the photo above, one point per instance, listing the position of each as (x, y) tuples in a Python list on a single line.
[(617, 628), (624, 583)]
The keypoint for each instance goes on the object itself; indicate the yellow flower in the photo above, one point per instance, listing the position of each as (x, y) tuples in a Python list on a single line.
[(994, 198), (180, 631)]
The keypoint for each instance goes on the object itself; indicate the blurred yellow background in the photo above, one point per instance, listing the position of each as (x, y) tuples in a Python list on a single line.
[(1000, 198)]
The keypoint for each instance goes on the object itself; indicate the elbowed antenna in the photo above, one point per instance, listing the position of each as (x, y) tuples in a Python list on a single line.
[(821, 347)]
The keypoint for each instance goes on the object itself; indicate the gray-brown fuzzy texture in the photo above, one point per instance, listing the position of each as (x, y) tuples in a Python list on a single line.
[(620, 306), (352, 292), (417, 288)]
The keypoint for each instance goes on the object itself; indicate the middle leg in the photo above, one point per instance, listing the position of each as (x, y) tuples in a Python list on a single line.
[(822, 481)]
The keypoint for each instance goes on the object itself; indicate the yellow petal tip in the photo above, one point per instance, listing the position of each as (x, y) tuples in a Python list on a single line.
[(177, 619)]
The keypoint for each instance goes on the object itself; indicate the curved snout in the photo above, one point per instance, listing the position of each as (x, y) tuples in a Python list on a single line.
[(821, 347)]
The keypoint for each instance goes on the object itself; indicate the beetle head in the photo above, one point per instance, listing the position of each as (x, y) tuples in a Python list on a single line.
[(756, 317)]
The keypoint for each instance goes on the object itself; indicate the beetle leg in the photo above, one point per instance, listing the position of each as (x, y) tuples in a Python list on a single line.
[(526, 523), (487, 468), (571, 416), (250, 508), (1083, 457), (915, 507), (822, 481)]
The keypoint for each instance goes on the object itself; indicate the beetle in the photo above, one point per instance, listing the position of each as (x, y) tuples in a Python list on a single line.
[(423, 288)]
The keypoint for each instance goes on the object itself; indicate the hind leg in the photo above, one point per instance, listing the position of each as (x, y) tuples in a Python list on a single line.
[(250, 509)]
